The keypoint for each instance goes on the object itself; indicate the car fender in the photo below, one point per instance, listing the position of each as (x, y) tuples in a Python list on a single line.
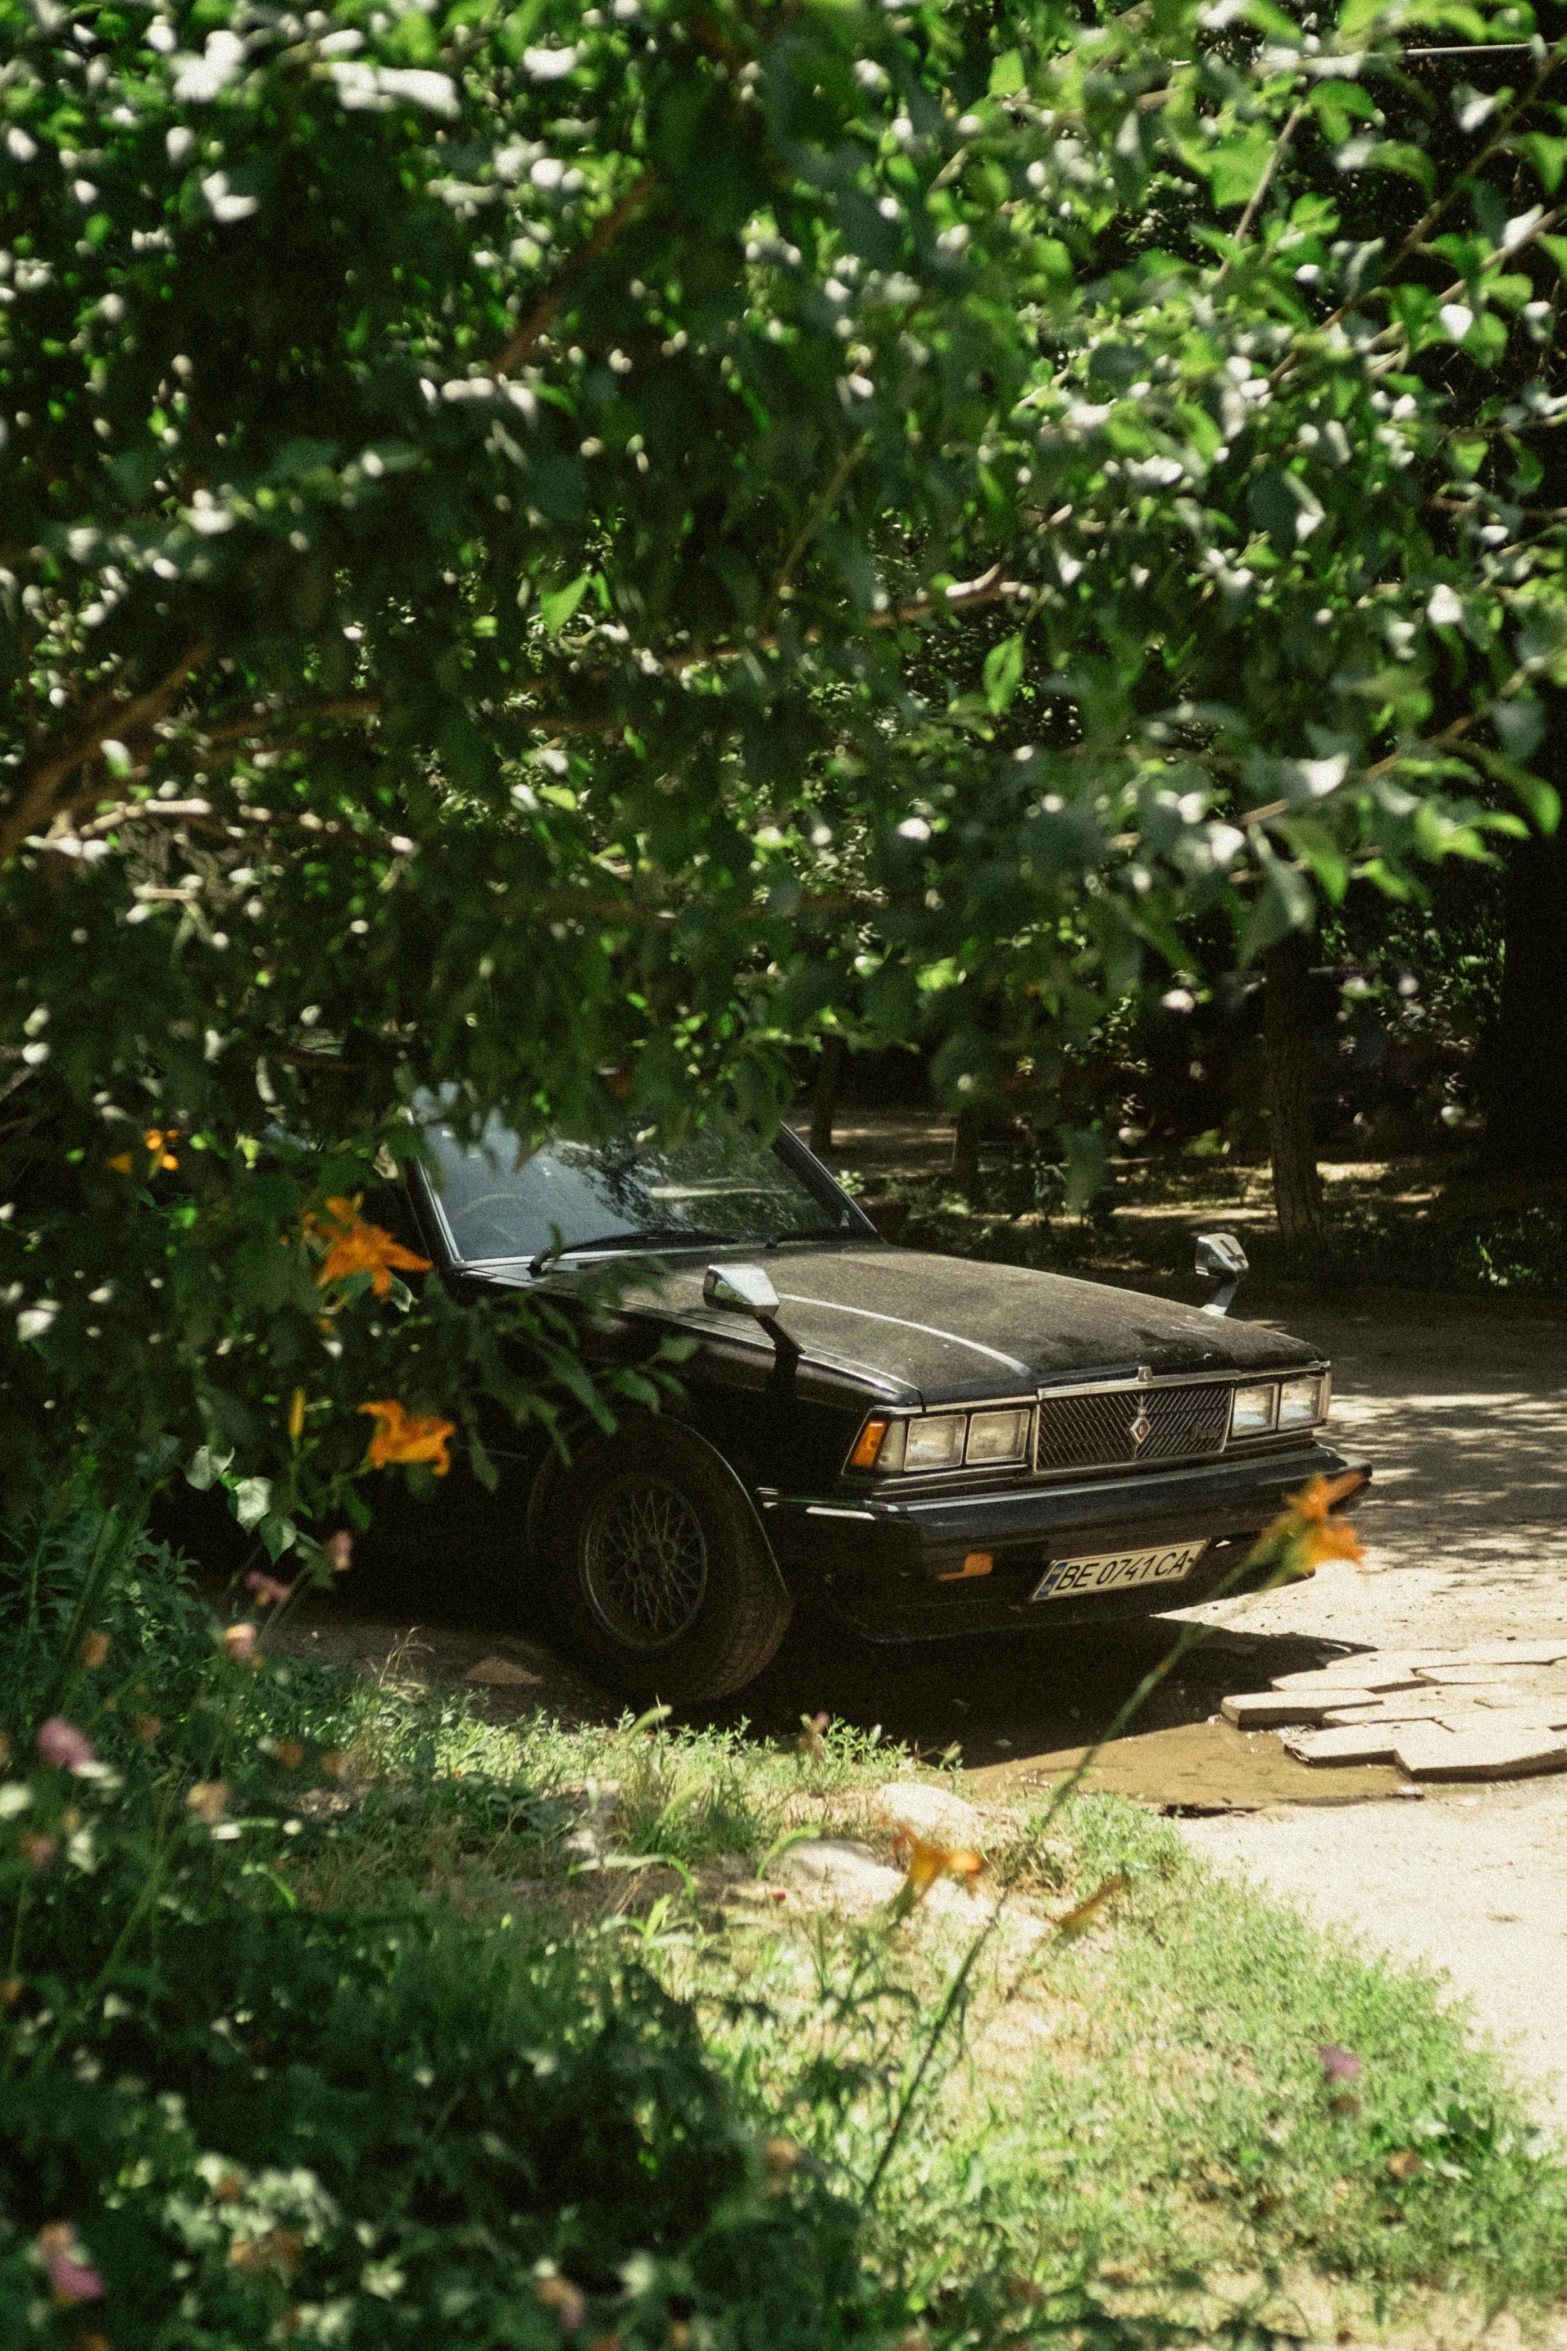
[(678, 1432)]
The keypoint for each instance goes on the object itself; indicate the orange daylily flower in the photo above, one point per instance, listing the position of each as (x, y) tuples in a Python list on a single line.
[(355, 1246), (160, 1142), (1304, 1534), (408, 1436), (925, 1861)]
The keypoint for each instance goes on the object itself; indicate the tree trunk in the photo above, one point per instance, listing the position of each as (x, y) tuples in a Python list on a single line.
[(824, 1095), (1526, 1077), (965, 1155), (1286, 1037)]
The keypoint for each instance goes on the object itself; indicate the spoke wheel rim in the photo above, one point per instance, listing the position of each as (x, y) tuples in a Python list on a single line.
[(644, 1562)]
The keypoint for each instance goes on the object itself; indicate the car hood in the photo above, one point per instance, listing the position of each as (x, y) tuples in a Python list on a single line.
[(954, 1326)]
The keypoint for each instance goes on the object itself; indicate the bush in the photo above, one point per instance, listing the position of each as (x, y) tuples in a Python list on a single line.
[(226, 2120)]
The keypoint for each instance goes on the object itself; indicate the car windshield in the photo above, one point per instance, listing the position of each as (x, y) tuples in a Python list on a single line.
[(501, 1200)]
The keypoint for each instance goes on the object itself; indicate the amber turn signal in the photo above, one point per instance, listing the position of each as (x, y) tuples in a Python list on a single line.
[(976, 1563), (869, 1445)]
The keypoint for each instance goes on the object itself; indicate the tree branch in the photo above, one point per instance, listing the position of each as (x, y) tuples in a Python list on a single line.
[(550, 304), (32, 803)]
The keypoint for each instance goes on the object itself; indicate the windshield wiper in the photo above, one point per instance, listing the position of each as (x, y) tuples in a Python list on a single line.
[(649, 1238)]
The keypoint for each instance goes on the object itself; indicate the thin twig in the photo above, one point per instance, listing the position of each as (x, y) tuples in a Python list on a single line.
[(820, 509), (1259, 193), (1434, 211)]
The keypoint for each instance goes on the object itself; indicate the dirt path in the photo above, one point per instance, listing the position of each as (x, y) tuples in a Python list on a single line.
[(1465, 1415)]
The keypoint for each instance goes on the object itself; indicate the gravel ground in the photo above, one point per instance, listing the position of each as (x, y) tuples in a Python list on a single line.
[(1465, 1416)]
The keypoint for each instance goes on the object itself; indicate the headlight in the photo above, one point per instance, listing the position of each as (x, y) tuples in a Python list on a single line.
[(997, 1436), (935, 1442), (1254, 1411), (1303, 1402), (945, 1440)]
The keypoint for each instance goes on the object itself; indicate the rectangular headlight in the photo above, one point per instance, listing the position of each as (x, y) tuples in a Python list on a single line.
[(935, 1442), (1253, 1411), (996, 1436), (1300, 1402)]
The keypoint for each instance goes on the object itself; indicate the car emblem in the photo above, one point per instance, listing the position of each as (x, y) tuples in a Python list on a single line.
[(1141, 1429)]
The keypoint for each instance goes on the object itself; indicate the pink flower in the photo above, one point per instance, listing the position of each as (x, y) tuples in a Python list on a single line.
[(567, 2301), (340, 1550), (240, 1641), (1339, 2065), (267, 1588), (61, 1743), (71, 2278)]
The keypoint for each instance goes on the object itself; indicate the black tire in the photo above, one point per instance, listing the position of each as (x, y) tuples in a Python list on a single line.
[(656, 1576)]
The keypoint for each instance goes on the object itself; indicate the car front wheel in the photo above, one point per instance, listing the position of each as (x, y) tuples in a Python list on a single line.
[(658, 1579)]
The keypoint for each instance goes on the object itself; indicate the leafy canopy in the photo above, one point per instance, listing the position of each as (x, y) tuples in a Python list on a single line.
[(553, 551)]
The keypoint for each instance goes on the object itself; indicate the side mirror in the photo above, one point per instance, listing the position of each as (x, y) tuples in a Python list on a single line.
[(744, 1289), (1220, 1258)]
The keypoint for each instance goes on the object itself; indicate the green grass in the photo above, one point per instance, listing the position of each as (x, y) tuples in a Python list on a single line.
[(1120, 2133), (1132, 2121)]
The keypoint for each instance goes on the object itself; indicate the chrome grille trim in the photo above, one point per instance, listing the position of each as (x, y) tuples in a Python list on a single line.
[(1092, 1427)]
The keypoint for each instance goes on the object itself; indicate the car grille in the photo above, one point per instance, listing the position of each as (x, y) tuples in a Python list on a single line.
[(1095, 1431)]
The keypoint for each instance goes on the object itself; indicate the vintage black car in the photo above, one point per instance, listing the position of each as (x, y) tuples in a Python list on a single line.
[(925, 1445)]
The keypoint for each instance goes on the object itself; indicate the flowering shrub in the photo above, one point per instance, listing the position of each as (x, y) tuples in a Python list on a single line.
[(226, 2120)]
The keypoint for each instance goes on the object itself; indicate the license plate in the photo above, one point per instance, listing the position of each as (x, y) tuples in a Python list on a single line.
[(1115, 1571)]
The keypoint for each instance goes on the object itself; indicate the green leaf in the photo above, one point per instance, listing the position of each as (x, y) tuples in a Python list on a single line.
[(1549, 157), (557, 607), (205, 1466), (1236, 165), (252, 1501), (1402, 156), (1003, 674), (1007, 76)]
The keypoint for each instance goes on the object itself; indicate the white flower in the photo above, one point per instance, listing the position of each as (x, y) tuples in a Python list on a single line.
[(178, 142), (372, 89), (435, 92), (549, 65), (19, 146), (206, 517), (914, 828), (33, 1321), (1445, 609), (1321, 776), (200, 79), (1457, 318), (222, 201), (548, 172)]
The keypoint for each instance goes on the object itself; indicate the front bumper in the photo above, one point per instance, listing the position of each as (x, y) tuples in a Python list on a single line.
[(883, 1561)]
